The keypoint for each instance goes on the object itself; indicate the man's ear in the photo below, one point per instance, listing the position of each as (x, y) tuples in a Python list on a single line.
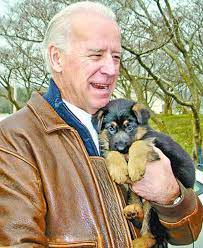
[(141, 112), (97, 119), (55, 58)]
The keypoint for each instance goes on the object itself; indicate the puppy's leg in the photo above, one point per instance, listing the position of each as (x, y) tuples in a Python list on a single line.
[(135, 209), (117, 167), (140, 152), (145, 225), (147, 240)]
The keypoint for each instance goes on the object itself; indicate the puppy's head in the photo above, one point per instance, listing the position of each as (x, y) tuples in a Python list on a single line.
[(119, 124)]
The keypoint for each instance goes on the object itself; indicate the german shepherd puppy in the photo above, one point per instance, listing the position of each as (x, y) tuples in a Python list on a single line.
[(123, 129)]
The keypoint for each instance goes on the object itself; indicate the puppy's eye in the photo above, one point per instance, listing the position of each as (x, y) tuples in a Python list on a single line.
[(130, 128), (112, 130)]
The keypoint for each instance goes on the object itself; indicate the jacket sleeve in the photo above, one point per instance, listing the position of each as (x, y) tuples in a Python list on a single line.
[(182, 220), (22, 205)]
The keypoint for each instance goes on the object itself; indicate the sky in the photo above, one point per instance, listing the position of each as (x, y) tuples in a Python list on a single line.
[(2, 7), (4, 4)]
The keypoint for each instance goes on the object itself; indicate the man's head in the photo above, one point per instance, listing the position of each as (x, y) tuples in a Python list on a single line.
[(82, 49)]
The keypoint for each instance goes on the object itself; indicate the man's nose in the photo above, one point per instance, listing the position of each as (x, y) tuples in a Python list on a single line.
[(109, 66)]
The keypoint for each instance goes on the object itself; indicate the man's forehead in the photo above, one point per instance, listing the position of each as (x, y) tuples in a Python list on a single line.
[(97, 46), (102, 48), (93, 25)]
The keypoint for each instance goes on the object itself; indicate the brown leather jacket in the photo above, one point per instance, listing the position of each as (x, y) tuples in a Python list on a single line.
[(52, 194)]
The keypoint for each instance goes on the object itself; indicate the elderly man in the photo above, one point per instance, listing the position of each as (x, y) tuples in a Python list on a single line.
[(55, 189)]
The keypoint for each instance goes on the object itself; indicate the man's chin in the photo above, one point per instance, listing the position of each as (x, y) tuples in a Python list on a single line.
[(103, 103), (99, 105)]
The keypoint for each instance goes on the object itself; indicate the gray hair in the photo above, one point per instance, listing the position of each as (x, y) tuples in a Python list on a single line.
[(59, 27)]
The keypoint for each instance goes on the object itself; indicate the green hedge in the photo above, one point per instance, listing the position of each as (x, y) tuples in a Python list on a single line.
[(180, 129)]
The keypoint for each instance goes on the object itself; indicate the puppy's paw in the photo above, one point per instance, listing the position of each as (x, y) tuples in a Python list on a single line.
[(137, 173), (134, 211), (117, 167), (153, 156), (146, 241), (137, 161), (140, 153)]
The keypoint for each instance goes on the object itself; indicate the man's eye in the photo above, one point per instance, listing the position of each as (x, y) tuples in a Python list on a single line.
[(116, 58), (95, 56)]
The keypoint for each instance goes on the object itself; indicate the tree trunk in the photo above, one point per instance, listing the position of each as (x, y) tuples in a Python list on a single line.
[(168, 105), (197, 137)]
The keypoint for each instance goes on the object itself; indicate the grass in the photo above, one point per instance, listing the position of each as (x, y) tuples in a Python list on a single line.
[(180, 129)]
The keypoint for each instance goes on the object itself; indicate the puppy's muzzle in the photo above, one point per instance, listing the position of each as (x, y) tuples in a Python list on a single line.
[(121, 142)]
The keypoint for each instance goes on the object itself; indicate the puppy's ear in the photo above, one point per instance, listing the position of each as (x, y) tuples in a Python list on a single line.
[(141, 112), (97, 119)]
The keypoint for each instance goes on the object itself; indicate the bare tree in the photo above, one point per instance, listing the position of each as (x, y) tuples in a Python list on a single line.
[(162, 46), (22, 31)]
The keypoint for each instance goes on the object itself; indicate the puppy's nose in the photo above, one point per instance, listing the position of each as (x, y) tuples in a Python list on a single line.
[(121, 142), (121, 146)]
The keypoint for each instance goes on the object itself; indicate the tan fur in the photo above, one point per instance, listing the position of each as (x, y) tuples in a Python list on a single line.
[(114, 124), (139, 154), (117, 167), (126, 122), (146, 241), (135, 208), (134, 211), (137, 109), (145, 224), (141, 131), (104, 142)]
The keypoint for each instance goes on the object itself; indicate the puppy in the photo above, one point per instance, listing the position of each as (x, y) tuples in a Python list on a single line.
[(127, 142)]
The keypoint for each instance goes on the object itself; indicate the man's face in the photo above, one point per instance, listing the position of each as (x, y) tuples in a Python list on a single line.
[(91, 67)]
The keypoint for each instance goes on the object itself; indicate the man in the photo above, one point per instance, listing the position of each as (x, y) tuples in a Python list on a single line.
[(55, 189)]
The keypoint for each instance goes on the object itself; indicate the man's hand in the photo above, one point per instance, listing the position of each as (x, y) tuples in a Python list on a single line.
[(158, 184)]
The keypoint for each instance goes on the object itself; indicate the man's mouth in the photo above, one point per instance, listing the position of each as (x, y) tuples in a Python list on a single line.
[(100, 86)]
